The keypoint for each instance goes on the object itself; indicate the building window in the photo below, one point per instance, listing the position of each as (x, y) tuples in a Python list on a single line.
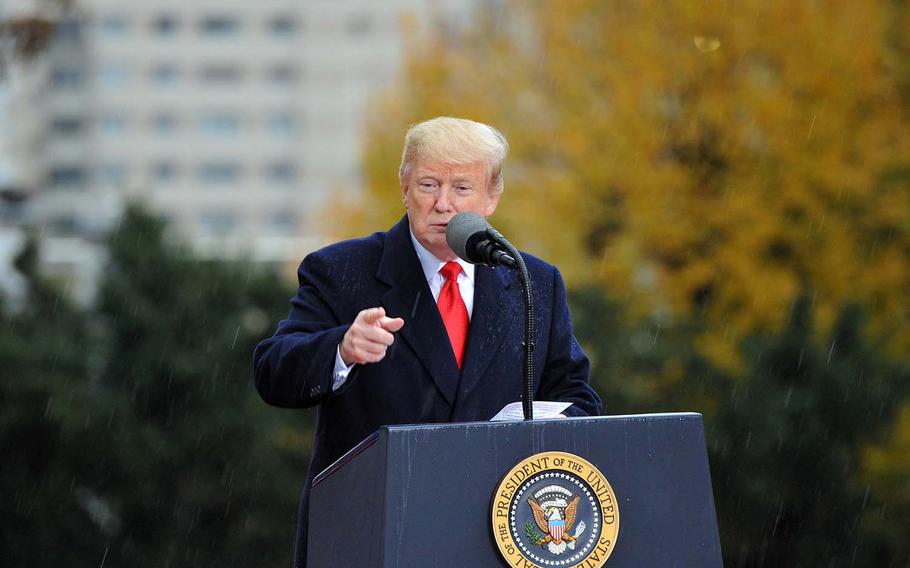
[(284, 222), (67, 176), (165, 25), (114, 26), (281, 172), (280, 123), (112, 173), (164, 123), (219, 26), (66, 77), (114, 75), (65, 223), (358, 24), (66, 125), (220, 124), (282, 74), (164, 75), (217, 223), (222, 73), (112, 124), (13, 211), (219, 172), (283, 26), (69, 30), (164, 172)]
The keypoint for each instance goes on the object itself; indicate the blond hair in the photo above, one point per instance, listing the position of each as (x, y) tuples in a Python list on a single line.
[(455, 141)]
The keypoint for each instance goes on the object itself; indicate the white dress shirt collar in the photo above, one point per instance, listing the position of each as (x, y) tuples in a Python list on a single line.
[(431, 264)]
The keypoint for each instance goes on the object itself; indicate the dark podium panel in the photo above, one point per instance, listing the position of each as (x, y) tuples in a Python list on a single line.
[(421, 496)]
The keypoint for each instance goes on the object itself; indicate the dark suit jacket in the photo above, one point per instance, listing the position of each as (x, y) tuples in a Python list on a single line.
[(418, 381)]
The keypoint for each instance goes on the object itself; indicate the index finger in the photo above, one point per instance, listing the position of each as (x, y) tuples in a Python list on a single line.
[(371, 315), (391, 324)]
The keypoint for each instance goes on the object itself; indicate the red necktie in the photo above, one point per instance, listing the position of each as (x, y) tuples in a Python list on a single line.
[(453, 311)]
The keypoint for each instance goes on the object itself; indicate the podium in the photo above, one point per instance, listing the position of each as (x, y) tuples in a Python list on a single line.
[(428, 495)]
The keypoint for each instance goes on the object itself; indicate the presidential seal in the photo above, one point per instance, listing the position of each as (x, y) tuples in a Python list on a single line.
[(555, 509)]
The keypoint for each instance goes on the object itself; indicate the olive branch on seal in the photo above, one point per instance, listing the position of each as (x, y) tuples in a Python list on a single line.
[(534, 536)]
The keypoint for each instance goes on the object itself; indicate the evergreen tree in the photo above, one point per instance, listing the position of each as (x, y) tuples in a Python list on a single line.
[(45, 371), (203, 472), (787, 448), (786, 439), (135, 436)]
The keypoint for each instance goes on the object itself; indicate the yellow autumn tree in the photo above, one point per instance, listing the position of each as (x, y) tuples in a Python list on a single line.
[(716, 159)]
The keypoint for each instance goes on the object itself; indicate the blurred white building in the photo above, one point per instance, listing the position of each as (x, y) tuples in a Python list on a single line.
[(234, 119)]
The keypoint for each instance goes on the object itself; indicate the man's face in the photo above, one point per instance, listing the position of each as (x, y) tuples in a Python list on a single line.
[(434, 192)]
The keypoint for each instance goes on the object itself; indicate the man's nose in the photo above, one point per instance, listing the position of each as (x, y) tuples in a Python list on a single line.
[(443, 202)]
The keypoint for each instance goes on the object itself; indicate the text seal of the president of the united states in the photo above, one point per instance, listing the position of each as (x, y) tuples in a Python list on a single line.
[(555, 509)]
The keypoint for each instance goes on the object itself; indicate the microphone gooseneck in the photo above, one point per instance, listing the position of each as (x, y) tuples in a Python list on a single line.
[(527, 399)]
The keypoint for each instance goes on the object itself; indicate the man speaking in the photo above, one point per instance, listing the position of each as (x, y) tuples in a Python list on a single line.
[(394, 328)]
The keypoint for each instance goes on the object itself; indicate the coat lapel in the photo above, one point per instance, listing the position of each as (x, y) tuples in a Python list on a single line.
[(492, 321), (409, 297)]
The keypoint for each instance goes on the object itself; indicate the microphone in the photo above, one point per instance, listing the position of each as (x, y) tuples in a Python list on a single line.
[(475, 241)]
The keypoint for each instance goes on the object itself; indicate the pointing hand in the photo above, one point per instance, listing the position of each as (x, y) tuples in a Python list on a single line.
[(368, 337)]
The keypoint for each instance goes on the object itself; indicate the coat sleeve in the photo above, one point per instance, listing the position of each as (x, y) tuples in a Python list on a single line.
[(566, 372), (294, 367)]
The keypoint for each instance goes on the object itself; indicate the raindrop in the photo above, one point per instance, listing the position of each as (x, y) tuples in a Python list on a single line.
[(706, 44), (656, 334), (236, 333), (780, 513)]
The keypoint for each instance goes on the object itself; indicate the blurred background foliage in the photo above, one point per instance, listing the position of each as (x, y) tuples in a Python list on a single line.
[(726, 187)]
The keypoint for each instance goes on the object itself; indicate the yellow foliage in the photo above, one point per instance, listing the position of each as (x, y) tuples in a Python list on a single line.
[(691, 157)]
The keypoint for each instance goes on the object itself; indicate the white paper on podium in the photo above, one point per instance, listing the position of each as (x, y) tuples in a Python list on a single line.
[(543, 409)]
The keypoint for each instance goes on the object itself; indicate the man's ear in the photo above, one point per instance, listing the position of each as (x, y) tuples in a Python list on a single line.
[(404, 193), (492, 202)]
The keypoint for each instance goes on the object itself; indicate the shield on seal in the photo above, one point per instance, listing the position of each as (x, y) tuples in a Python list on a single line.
[(557, 528)]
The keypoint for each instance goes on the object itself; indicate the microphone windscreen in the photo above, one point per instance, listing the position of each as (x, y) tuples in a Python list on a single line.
[(461, 228)]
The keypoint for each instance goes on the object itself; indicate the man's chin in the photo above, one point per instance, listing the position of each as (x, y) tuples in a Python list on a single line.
[(440, 249)]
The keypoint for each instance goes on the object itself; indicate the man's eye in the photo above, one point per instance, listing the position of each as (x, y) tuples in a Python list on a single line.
[(464, 188), (429, 186)]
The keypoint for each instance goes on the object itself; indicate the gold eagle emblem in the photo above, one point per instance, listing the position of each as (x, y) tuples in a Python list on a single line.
[(554, 524)]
